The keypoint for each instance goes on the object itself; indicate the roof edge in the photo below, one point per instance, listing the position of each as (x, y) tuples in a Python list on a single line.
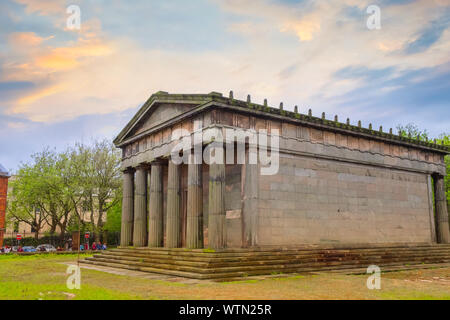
[(161, 97)]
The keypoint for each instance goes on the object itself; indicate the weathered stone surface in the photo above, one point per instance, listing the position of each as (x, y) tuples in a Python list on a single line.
[(173, 223), (250, 202), (194, 228), (140, 208), (126, 232), (216, 218), (156, 227), (327, 201), (443, 235)]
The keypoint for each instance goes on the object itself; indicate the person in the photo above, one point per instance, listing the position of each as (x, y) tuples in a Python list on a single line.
[(104, 246), (2, 250), (99, 246), (59, 249), (20, 249), (8, 249), (81, 247), (94, 246), (42, 249)]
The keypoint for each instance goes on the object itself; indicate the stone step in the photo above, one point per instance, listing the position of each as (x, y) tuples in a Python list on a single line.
[(243, 275), (291, 260), (145, 269), (248, 252), (314, 262), (355, 271), (206, 257), (269, 259), (238, 263), (290, 248)]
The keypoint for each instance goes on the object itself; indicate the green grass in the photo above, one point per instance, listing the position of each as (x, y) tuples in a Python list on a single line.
[(44, 277)]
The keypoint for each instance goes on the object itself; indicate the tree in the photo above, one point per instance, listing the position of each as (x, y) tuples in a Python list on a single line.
[(412, 130), (28, 193), (61, 186), (114, 218), (445, 139), (99, 176)]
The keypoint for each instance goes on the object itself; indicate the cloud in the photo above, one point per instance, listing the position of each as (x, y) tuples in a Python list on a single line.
[(314, 54), (305, 28), (44, 7), (26, 39), (429, 36)]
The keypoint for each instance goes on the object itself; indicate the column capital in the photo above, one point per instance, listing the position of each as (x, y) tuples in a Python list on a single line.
[(128, 170), (158, 161), (143, 165)]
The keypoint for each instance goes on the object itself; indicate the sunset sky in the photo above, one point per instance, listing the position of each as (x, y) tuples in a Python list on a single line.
[(58, 86)]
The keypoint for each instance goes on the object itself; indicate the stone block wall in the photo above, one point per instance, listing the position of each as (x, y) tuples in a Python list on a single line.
[(314, 200)]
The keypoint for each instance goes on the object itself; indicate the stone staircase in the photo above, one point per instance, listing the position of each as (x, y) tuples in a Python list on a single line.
[(230, 264)]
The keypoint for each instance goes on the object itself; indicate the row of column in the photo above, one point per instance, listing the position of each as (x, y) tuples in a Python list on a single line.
[(134, 207)]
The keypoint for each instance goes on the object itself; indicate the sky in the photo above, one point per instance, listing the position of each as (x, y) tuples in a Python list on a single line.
[(61, 85)]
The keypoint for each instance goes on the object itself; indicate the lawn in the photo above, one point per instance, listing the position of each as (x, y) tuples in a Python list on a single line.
[(44, 277)]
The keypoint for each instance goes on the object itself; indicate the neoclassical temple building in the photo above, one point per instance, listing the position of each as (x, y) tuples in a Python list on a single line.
[(335, 183)]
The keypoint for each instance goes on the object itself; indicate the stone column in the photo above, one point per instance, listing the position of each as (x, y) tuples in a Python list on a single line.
[(173, 223), (126, 231), (250, 200), (140, 208), (442, 230), (194, 223), (156, 227), (216, 216)]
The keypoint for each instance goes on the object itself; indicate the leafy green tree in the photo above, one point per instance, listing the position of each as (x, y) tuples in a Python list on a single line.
[(99, 178), (413, 131), (445, 139), (114, 218), (76, 187), (24, 203)]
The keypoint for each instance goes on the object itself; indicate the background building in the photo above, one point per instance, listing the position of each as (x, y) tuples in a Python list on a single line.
[(4, 176)]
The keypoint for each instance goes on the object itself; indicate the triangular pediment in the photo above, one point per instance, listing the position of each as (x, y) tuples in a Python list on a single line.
[(159, 109), (157, 115)]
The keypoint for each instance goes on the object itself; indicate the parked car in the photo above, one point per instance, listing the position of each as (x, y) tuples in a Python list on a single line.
[(29, 249), (46, 248)]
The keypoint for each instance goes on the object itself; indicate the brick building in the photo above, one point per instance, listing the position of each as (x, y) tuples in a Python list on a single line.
[(336, 183), (4, 176)]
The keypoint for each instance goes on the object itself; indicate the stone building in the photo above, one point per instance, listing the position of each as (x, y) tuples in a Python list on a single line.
[(4, 176), (335, 183)]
